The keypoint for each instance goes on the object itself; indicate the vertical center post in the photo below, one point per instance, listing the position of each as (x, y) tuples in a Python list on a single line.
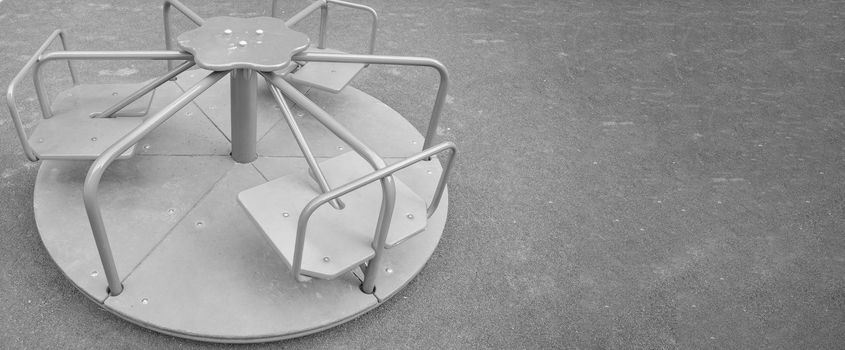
[(244, 98)]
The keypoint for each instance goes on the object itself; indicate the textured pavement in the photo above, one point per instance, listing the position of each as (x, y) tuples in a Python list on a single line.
[(647, 174)]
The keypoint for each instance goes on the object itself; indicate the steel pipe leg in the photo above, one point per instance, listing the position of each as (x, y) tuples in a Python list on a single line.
[(244, 96)]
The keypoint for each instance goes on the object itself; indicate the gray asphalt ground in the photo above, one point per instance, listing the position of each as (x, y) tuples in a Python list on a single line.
[(655, 174)]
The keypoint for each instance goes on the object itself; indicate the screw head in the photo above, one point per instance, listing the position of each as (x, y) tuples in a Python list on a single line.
[(147, 146), (410, 216), (242, 43), (326, 259), (227, 31), (114, 93), (259, 31), (340, 148), (199, 224), (93, 139), (285, 214), (145, 301), (94, 273), (171, 211), (388, 270)]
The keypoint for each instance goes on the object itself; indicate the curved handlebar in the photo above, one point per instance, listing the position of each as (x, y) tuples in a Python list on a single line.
[(394, 60), (10, 92)]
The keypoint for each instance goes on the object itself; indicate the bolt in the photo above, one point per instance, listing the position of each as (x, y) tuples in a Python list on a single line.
[(94, 273), (428, 172), (388, 270), (171, 211), (285, 214), (340, 148), (227, 31), (199, 224), (146, 146), (93, 139), (326, 259), (145, 301), (242, 43), (410, 216)]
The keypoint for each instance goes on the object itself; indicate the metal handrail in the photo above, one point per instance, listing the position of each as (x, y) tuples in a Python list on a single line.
[(152, 85), (168, 27), (95, 174), (10, 92), (323, 6), (44, 100), (387, 184), (379, 174), (303, 145), (393, 60), (372, 12)]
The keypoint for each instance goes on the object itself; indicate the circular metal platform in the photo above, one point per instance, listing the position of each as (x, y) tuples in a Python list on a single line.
[(192, 263)]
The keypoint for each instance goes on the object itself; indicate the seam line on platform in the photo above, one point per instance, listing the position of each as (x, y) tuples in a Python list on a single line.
[(197, 105), (181, 219)]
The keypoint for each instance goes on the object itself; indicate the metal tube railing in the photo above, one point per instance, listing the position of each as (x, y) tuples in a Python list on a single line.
[(303, 145), (383, 173), (372, 12), (10, 92), (387, 184), (168, 31), (94, 55), (299, 16), (108, 113), (393, 60), (95, 174)]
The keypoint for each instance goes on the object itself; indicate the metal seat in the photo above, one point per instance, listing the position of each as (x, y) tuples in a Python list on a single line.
[(338, 240), (74, 127)]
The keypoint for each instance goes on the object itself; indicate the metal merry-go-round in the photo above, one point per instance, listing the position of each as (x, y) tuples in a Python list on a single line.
[(239, 210)]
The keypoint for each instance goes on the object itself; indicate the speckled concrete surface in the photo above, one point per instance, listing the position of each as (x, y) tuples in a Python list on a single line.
[(647, 174)]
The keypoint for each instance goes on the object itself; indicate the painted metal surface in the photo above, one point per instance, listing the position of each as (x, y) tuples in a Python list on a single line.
[(214, 103), (215, 278), (90, 190), (75, 135), (152, 205), (337, 240), (328, 76), (189, 133), (243, 114), (258, 43), (142, 197), (96, 98)]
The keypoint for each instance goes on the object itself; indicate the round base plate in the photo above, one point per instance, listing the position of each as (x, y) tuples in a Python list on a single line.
[(192, 262)]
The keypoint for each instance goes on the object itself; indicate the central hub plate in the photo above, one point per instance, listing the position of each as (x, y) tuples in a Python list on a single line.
[(260, 43)]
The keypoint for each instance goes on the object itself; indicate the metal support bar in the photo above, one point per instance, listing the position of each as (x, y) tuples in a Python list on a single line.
[(388, 186), (299, 16), (168, 31), (364, 8), (393, 60), (10, 92), (326, 119), (244, 114), (108, 113), (324, 23), (94, 55), (384, 173), (275, 10), (95, 174), (303, 145)]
